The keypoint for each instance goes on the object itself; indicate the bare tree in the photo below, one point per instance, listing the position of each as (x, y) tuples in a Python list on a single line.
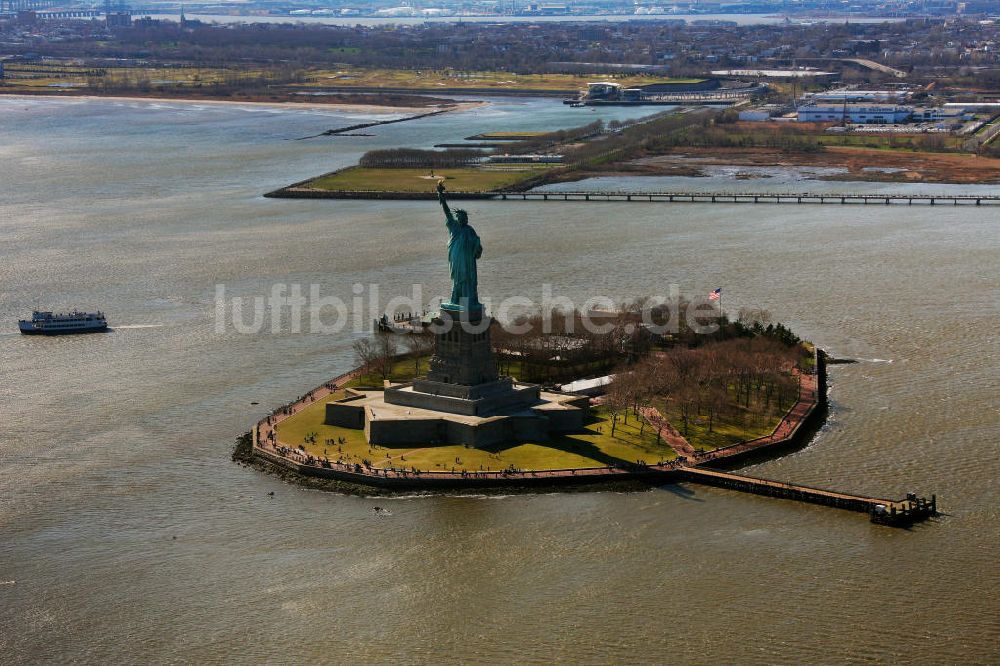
[(385, 355), (616, 400), (365, 354), (418, 345)]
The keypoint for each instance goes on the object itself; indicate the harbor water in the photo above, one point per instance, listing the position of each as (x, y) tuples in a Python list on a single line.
[(127, 535)]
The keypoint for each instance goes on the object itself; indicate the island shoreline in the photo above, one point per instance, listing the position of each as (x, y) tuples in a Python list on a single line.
[(799, 425)]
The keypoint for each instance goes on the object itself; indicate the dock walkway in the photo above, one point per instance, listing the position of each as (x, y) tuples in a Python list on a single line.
[(884, 511)]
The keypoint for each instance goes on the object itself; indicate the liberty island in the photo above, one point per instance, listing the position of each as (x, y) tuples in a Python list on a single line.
[(465, 411)]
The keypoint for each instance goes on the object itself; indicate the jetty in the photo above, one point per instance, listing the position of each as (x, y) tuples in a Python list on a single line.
[(347, 131), (898, 513)]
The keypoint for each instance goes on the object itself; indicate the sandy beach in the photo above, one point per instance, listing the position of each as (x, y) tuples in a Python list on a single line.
[(310, 104)]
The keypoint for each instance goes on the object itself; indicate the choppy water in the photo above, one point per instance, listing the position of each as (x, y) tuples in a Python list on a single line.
[(126, 535)]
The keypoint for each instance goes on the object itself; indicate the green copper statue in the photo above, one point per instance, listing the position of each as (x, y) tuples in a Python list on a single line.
[(464, 249)]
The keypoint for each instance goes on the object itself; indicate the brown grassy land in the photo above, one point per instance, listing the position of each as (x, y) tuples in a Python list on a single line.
[(916, 166)]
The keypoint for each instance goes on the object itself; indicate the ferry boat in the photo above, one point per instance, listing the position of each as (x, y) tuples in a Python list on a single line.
[(48, 323)]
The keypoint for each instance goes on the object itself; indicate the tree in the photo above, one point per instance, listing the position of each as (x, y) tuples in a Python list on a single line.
[(418, 345), (616, 400), (376, 357), (365, 353), (385, 355)]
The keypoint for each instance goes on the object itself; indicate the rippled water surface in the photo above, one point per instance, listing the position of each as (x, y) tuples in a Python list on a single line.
[(126, 535)]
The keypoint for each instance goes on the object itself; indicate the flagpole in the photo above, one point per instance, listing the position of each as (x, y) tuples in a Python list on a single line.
[(721, 332)]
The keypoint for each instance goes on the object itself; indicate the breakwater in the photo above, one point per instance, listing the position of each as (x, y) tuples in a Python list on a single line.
[(794, 430), (375, 123)]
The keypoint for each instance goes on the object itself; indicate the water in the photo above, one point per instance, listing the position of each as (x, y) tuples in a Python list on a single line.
[(126, 534)]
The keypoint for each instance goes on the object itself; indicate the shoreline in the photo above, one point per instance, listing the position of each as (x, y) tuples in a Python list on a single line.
[(304, 104), (854, 163), (260, 450)]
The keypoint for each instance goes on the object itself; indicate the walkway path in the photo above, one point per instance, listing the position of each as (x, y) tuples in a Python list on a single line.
[(808, 399), (668, 433), (266, 429)]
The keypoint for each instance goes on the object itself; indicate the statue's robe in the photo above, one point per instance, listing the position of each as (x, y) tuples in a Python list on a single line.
[(464, 248)]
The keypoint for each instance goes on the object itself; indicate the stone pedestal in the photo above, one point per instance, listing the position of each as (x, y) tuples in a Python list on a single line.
[(462, 351), (462, 400)]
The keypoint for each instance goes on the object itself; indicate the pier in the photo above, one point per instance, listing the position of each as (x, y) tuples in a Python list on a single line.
[(757, 198), (897, 513)]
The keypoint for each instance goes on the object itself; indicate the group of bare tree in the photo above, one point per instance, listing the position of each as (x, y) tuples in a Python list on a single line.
[(377, 356), (413, 158), (663, 47), (747, 377)]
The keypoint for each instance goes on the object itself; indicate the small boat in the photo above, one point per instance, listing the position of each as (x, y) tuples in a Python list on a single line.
[(48, 323)]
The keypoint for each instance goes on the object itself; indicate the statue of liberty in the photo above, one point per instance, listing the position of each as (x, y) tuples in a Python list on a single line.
[(464, 249)]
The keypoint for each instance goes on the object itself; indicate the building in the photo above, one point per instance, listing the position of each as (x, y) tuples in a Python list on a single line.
[(867, 96), (525, 159), (588, 387), (118, 20), (858, 114), (776, 73), (604, 90)]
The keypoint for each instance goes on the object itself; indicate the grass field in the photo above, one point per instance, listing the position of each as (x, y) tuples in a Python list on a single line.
[(33, 77), (75, 75), (729, 429), (436, 79), (465, 179), (592, 447), (887, 142), (403, 370)]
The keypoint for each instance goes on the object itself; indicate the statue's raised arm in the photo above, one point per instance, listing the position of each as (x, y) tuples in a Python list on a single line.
[(444, 203)]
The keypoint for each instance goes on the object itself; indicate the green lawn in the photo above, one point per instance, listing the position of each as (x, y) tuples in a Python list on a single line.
[(466, 179), (733, 428), (403, 370), (593, 447)]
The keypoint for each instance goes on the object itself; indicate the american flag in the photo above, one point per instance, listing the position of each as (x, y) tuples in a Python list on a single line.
[(715, 295)]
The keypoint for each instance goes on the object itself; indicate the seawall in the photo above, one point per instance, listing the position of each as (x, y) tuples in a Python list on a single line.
[(795, 430)]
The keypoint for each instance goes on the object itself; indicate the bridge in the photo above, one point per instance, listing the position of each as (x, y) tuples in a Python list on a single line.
[(756, 198), (43, 9), (70, 13), (867, 63)]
